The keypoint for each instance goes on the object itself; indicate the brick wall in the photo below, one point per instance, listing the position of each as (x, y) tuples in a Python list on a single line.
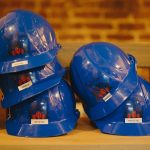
[(91, 20)]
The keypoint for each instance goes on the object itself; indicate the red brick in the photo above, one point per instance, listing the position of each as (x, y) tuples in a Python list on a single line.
[(83, 3), (15, 3), (4, 4), (29, 4), (53, 4), (142, 14), (76, 25), (99, 25), (120, 37), (58, 14), (116, 14), (45, 3), (117, 4), (107, 4), (87, 14), (43, 13), (130, 26), (56, 25), (71, 36), (95, 36), (145, 36), (114, 5), (58, 4), (147, 3)]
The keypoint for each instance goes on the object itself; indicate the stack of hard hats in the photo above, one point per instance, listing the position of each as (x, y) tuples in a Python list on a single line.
[(114, 97), (40, 102)]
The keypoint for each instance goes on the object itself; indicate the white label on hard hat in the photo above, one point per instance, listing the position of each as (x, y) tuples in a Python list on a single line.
[(25, 86), (133, 120), (107, 97), (39, 121), (19, 63), (1, 95)]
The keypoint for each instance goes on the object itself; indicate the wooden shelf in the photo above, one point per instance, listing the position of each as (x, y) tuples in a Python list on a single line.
[(85, 136)]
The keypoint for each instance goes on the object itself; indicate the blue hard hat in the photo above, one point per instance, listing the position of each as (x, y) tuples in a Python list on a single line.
[(51, 113), (17, 87), (103, 76), (26, 41), (132, 117)]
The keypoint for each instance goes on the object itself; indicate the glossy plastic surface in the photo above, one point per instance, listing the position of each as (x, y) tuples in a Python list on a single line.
[(56, 105), (17, 87), (132, 117), (103, 76), (26, 41)]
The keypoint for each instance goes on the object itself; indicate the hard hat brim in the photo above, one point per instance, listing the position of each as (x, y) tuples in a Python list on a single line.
[(116, 123), (13, 98), (27, 63), (57, 128)]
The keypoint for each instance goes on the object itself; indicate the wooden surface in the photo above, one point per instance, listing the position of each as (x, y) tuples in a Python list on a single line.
[(84, 136)]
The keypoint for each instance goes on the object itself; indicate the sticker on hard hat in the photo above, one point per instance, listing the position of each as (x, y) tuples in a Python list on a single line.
[(1, 95), (25, 86), (19, 63), (133, 120), (107, 97), (39, 121)]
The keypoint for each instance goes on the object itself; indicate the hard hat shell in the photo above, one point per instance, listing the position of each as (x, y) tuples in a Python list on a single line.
[(17, 87), (26, 41), (103, 76), (132, 117), (51, 113)]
